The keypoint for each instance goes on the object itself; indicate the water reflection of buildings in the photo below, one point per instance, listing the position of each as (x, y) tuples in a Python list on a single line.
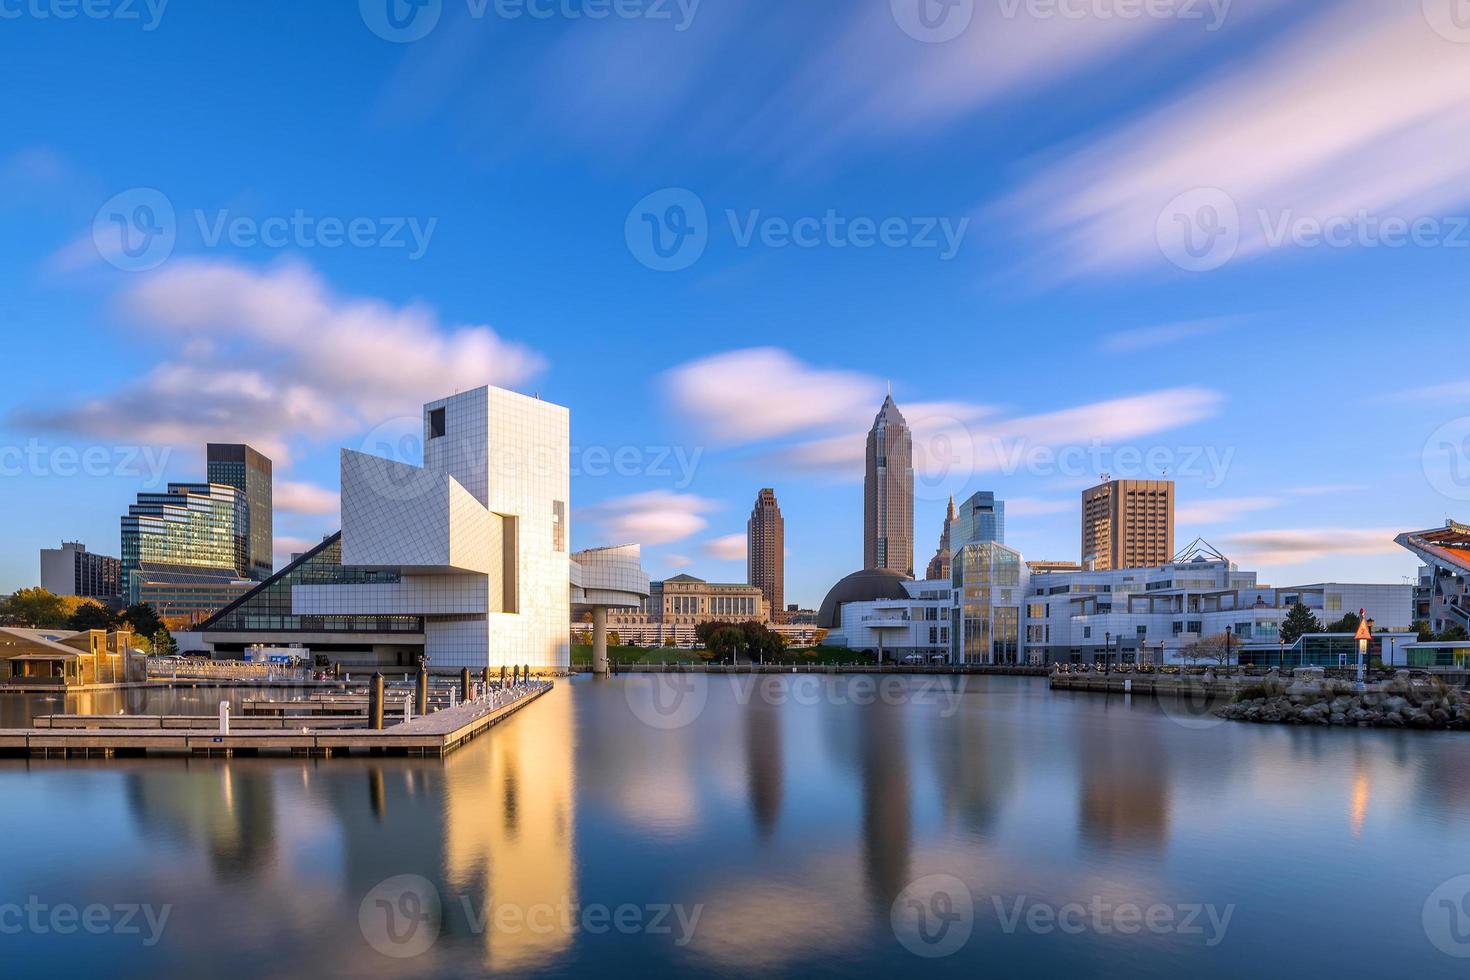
[(510, 830), (228, 809), (763, 764), (883, 749), (1124, 801), (975, 761)]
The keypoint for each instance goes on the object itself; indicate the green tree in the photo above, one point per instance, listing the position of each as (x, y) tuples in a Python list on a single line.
[(1298, 623), (92, 616), (163, 643), (142, 619), (1422, 628), (1347, 624), (1452, 634), (38, 609)]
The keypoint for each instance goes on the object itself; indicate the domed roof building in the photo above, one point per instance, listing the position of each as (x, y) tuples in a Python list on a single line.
[(864, 586)]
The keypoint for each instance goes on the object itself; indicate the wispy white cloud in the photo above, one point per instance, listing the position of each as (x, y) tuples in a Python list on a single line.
[(297, 497), (1036, 506), (1294, 545), (755, 396), (321, 364), (1327, 489), (1450, 392), (954, 441), (1359, 108), (728, 547), (1221, 510), (651, 518), (1162, 335), (762, 392)]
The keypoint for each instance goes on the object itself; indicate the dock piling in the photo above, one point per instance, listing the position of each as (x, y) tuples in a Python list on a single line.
[(375, 703)]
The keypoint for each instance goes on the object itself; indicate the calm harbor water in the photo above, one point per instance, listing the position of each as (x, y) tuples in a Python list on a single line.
[(811, 825)]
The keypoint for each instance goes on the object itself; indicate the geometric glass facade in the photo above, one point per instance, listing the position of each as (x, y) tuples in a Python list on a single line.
[(249, 472), (981, 518), (986, 627), (268, 606), (193, 525)]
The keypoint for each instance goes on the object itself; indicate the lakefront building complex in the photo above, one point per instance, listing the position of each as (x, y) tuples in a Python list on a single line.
[(239, 466), (765, 550), (1128, 524), (1000, 611), (888, 494)]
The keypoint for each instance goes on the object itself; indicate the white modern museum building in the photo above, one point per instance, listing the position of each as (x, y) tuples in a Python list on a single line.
[(463, 560)]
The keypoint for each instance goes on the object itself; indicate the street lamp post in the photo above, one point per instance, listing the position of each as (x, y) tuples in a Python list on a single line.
[(1229, 632), (1107, 653)]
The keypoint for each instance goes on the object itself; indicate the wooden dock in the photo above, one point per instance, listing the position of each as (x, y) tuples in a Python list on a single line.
[(431, 736)]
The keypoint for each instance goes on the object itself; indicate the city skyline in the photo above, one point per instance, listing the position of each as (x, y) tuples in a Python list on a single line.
[(301, 347)]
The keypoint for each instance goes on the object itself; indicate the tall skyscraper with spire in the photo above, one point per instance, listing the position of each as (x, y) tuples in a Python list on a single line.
[(765, 550), (939, 564), (888, 493)]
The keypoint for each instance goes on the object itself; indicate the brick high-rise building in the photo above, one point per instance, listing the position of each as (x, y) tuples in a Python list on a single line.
[(888, 494), (1128, 524), (765, 549)]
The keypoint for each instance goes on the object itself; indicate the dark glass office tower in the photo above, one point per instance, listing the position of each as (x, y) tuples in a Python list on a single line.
[(237, 465)]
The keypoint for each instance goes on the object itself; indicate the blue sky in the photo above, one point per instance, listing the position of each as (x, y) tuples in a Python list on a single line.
[(1072, 241)]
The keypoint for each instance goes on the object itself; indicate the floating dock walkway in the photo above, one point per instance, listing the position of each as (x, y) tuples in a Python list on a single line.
[(323, 735)]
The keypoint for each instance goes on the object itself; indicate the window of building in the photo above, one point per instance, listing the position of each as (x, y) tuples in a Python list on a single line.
[(436, 423), (558, 525)]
